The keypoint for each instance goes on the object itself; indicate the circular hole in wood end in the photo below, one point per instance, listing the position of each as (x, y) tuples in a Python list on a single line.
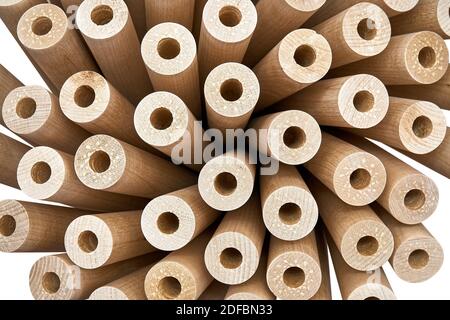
[(367, 246), (372, 298), (84, 96), (364, 101), (367, 29), (231, 90), (161, 119), (422, 127), (225, 183), (88, 241), (360, 179), (231, 258), (414, 199), (230, 16), (26, 108), (99, 161), (418, 259), (41, 26), (427, 57), (169, 288), (102, 15), (7, 225), (294, 277), (41, 172), (51, 282), (305, 56), (169, 48), (294, 137), (168, 223), (290, 213)]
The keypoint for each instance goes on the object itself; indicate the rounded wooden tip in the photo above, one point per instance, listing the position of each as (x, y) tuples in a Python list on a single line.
[(100, 162), (42, 26), (41, 173), (363, 101), (14, 225), (27, 109), (443, 16), (290, 213), (108, 293), (413, 199), (294, 276), (244, 296), (294, 137), (230, 21), (161, 119), (226, 182), (102, 19), (367, 245), (372, 291), (306, 5), (401, 5), (426, 57), (418, 260)]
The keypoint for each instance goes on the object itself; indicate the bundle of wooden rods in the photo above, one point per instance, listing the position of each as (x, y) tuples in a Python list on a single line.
[(314, 80)]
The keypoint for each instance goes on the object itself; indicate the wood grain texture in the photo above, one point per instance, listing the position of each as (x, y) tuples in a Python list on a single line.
[(215, 292), (324, 292), (198, 15), (177, 11), (138, 15), (8, 82), (11, 151)]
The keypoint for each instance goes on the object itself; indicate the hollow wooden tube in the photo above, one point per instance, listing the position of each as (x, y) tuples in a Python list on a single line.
[(108, 30), (302, 58), (105, 163), (34, 114), (11, 151), (227, 181), (419, 58), (288, 207), (357, 101), (138, 14), (361, 237), (417, 255), (215, 292), (355, 176), (324, 292), (232, 255), (198, 15), (177, 11), (48, 37), (231, 93), (171, 221), (58, 278), (227, 27), (8, 82), (292, 137), (32, 227), (44, 173), (182, 275)]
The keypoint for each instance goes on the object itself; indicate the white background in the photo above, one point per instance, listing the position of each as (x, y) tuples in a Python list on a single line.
[(14, 268)]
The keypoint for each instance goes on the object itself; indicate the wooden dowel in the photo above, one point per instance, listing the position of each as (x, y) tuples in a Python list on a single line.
[(231, 93), (8, 82), (108, 29), (215, 292), (177, 11), (48, 37), (138, 15), (11, 151), (93, 241), (227, 28), (58, 278), (32, 227), (417, 256), (289, 15), (302, 58), (293, 271), (105, 163), (227, 181), (432, 15), (324, 292), (198, 14), (361, 237), (288, 207), (170, 55), (355, 176), (182, 275), (292, 137), (67, 3), (419, 58), (47, 174), (233, 254), (34, 114), (171, 221)]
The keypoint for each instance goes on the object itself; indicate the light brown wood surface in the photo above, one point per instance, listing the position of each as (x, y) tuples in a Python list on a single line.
[(324, 292), (177, 11), (138, 15), (11, 151), (215, 292), (8, 82)]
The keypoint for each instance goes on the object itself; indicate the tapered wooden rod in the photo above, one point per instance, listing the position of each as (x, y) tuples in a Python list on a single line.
[(34, 113), (58, 278), (138, 15), (105, 163), (171, 221), (47, 174), (32, 227), (11, 151), (324, 292), (8, 82), (177, 11), (108, 29), (215, 292), (233, 254)]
